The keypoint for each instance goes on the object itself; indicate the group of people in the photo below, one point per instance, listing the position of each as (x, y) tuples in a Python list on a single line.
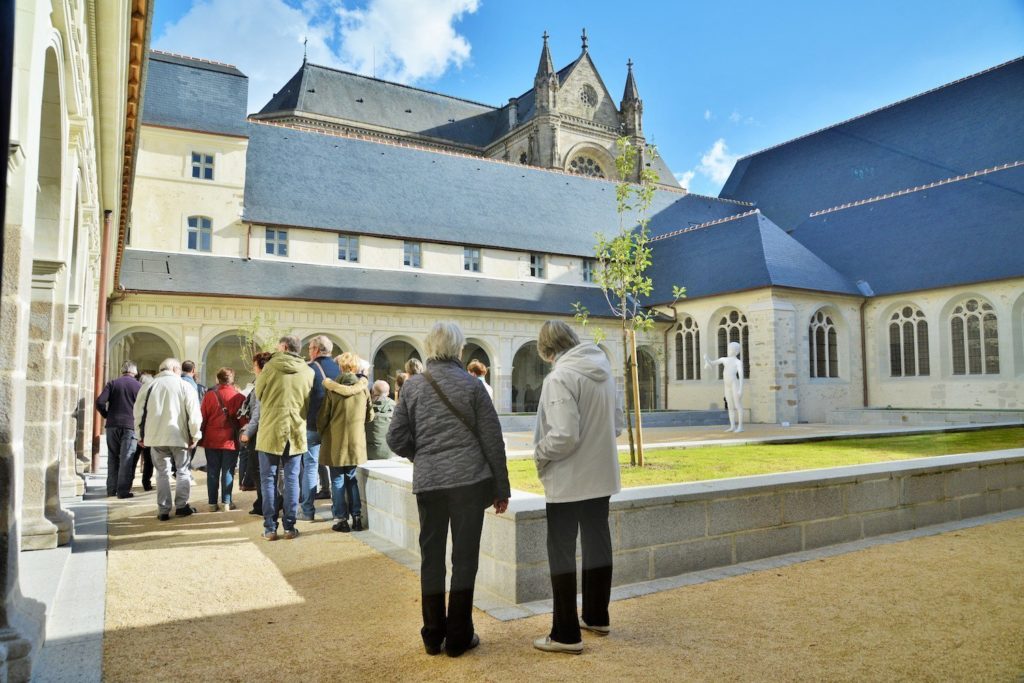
[(302, 416)]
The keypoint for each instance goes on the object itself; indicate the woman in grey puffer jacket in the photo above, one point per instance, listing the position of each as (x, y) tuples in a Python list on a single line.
[(458, 470)]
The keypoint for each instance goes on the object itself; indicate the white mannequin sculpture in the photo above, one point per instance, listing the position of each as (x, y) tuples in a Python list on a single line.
[(732, 378)]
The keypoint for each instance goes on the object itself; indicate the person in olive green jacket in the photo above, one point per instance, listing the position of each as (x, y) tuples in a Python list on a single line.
[(377, 431), (344, 413), (283, 392)]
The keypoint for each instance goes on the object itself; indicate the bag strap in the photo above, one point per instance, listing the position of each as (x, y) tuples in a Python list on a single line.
[(232, 420), (145, 413), (323, 375), (455, 411)]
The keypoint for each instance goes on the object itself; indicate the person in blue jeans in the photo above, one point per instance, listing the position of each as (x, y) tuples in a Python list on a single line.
[(283, 392), (323, 367), (220, 438)]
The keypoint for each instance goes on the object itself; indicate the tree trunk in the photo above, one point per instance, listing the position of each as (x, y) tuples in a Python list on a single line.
[(634, 376), (627, 377)]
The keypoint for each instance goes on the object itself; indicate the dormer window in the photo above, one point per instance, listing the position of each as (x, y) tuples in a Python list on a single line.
[(537, 265), (277, 242), (588, 270), (202, 166)]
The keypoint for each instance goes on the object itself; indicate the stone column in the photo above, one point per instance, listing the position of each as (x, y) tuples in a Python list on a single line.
[(501, 375), (45, 524), (73, 408), (771, 393)]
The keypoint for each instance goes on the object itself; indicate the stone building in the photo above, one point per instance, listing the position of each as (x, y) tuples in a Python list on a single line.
[(76, 87), (366, 210)]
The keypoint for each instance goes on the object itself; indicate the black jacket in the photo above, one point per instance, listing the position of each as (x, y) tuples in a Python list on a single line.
[(117, 402)]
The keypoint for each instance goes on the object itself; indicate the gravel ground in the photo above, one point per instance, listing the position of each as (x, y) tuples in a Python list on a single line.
[(204, 598)]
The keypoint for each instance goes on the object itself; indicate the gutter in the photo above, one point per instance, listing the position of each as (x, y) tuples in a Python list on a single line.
[(866, 290)]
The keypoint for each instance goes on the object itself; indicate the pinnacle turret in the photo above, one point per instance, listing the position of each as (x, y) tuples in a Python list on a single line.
[(630, 94), (547, 66)]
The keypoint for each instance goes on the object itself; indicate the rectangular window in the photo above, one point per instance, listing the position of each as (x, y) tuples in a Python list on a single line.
[(202, 166), (588, 270), (537, 265), (413, 254), (471, 259), (348, 248), (200, 233), (277, 242)]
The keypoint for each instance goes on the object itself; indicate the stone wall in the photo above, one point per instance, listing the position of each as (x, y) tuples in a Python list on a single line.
[(663, 531)]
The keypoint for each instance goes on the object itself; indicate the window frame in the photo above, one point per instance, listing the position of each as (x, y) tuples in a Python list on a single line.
[(538, 265), (412, 254), (349, 251), (472, 260), (979, 331), (724, 334), (587, 270), (275, 242), (687, 349), (823, 346), (908, 343), (204, 164), (203, 228)]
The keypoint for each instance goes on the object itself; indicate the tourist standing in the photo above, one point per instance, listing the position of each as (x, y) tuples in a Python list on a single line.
[(446, 424), (116, 404), (249, 431), (342, 425), (283, 391), (323, 367), (142, 453), (220, 438), (577, 460), (377, 430), (168, 422), (479, 370)]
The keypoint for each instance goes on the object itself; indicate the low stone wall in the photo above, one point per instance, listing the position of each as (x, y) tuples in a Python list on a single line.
[(922, 417), (663, 531), (654, 418)]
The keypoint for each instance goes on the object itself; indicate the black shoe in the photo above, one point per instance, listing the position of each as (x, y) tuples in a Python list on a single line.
[(126, 495), (433, 649), (472, 644), (342, 526), (201, 468), (258, 513), (324, 494), (357, 524), (163, 517), (185, 511), (147, 486)]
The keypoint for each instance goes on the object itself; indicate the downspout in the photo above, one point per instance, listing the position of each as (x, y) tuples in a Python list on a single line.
[(664, 345), (100, 367), (866, 290), (248, 240)]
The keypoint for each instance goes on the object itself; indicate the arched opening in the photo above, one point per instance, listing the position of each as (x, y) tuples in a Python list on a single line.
[(146, 349), (528, 373), (391, 358), (225, 352), (473, 351), (647, 374)]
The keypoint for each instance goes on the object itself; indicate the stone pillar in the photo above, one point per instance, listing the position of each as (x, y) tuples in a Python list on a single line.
[(191, 348), (501, 376), (771, 393), (45, 524), (73, 407)]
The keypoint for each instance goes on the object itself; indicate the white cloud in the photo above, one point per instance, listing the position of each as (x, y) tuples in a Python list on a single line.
[(707, 114), (715, 165), (406, 40), (685, 178), (736, 117)]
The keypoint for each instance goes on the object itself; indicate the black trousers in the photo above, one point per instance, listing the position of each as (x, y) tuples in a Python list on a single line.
[(589, 518), (144, 455), (463, 509)]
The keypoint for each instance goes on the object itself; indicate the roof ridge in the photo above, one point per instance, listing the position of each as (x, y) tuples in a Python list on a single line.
[(426, 148), (882, 108), (738, 202), (403, 85), (201, 60), (701, 226), (918, 188)]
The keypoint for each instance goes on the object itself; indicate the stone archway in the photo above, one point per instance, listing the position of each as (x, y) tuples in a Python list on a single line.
[(225, 351), (390, 359), (147, 349), (473, 351), (528, 373)]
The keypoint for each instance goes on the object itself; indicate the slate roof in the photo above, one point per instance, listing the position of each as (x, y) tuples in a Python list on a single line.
[(374, 188), (964, 126), (171, 273), (970, 230), (352, 97), (737, 254), (195, 94)]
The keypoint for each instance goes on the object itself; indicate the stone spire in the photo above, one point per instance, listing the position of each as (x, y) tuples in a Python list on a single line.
[(631, 107), (546, 67), (545, 83)]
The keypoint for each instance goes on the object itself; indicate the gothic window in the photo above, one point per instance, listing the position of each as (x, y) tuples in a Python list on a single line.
[(588, 96), (202, 166), (733, 328), (471, 259), (975, 338), (908, 343), (823, 346), (277, 242), (688, 350), (348, 248), (200, 233), (584, 165)]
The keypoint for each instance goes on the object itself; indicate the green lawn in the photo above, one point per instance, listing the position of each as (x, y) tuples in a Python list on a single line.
[(673, 465)]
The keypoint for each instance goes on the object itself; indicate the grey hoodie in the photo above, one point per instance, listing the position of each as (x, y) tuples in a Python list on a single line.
[(579, 416)]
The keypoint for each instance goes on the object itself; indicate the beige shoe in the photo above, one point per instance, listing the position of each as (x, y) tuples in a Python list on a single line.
[(599, 630), (214, 508), (548, 645)]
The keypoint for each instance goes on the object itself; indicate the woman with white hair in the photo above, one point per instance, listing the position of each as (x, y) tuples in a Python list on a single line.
[(447, 425), (577, 459)]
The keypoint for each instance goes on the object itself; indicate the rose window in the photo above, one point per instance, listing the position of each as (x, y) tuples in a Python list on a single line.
[(583, 165)]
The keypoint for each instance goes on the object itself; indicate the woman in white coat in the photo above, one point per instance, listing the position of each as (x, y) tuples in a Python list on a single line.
[(577, 460)]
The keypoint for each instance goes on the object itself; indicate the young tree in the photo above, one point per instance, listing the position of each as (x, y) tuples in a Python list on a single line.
[(260, 334), (623, 259)]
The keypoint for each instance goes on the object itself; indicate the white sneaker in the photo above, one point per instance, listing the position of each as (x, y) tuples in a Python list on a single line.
[(599, 630), (548, 645)]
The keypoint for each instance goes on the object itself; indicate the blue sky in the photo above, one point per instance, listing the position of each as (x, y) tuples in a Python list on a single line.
[(718, 79)]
